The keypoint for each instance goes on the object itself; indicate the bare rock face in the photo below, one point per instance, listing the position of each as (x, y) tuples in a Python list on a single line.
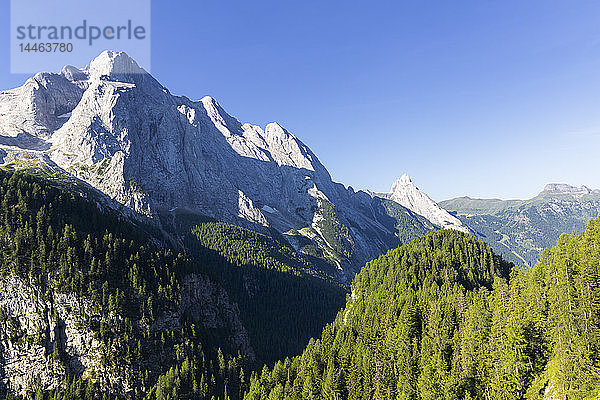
[(35, 328), (208, 305), (114, 126), (562, 188), (44, 337), (408, 195), (30, 114)]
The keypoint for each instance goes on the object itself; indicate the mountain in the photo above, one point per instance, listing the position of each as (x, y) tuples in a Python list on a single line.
[(144, 232), (405, 193), (562, 188), (521, 229), (93, 302), (115, 127), (155, 247), (87, 297), (443, 317)]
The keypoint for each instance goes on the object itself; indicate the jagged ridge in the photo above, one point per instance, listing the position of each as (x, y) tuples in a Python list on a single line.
[(114, 126)]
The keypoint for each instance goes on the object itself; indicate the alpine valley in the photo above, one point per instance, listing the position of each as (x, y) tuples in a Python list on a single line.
[(156, 247), (113, 126), (520, 230)]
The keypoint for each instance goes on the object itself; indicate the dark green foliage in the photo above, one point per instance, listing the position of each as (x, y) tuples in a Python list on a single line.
[(445, 318), (566, 285), (408, 225), (334, 232), (442, 317), (285, 298), (60, 242)]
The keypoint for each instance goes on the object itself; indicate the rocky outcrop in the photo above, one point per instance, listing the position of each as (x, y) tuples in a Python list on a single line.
[(45, 336), (209, 306), (405, 193), (556, 188), (31, 113)]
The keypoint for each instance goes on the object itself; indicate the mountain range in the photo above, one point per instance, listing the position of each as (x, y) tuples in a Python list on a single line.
[(141, 223), (521, 230), (114, 127), (153, 246)]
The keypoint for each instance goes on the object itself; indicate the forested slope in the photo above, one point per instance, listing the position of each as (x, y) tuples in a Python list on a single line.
[(94, 304), (444, 318), (285, 297), (90, 306)]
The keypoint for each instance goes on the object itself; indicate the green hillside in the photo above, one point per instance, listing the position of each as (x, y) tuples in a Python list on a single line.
[(445, 318), (104, 306), (284, 297)]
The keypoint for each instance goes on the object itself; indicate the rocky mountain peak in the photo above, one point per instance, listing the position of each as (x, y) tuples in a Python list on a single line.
[(277, 134), (73, 73), (563, 188), (404, 180), (210, 102), (405, 193), (111, 63), (115, 127)]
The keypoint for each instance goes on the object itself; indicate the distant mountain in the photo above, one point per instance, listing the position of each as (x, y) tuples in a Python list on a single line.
[(562, 188), (521, 229), (115, 127), (405, 193)]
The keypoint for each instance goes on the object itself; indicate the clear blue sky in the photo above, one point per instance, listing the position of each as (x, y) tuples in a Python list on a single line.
[(479, 98)]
